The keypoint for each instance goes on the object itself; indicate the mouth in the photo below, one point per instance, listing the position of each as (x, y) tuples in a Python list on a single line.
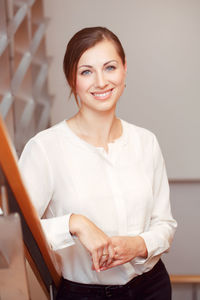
[(102, 95)]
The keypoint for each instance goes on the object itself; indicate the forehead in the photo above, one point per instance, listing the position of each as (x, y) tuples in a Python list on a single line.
[(99, 54)]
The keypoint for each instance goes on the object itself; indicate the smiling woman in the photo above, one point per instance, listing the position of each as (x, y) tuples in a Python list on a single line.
[(82, 41), (100, 76), (99, 184)]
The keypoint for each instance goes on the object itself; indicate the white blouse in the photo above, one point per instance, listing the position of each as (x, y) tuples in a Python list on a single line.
[(124, 192)]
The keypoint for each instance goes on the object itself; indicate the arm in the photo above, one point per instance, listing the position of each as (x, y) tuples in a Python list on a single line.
[(37, 174), (159, 234), (38, 177), (93, 239)]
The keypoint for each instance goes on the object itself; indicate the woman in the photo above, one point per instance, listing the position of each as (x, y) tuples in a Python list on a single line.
[(99, 184)]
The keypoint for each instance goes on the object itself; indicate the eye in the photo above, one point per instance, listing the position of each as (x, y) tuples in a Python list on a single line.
[(86, 72), (110, 68)]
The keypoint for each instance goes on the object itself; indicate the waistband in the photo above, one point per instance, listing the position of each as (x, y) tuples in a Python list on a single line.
[(109, 290)]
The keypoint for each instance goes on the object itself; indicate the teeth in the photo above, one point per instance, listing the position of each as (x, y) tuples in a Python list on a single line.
[(102, 95)]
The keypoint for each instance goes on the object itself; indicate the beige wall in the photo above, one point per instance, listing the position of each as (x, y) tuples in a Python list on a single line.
[(161, 41)]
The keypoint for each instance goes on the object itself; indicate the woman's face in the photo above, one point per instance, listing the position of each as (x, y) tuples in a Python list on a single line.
[(100, 77)]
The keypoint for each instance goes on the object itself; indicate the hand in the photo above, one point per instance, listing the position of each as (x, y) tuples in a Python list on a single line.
[(93, 239), (126, 248)]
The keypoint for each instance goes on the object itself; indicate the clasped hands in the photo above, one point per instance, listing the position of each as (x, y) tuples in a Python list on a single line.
[(106, 252)]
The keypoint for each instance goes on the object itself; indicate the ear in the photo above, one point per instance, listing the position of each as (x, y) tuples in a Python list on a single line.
[(125, 65)]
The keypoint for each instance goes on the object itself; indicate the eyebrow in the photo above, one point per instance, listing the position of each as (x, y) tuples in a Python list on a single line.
[(108, 62)]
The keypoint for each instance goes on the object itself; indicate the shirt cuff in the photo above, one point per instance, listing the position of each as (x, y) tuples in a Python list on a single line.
[(147, 237), (57, 232), (155, 247)]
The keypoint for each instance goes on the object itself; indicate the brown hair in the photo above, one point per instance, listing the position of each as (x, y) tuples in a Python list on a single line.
[(79, 43)]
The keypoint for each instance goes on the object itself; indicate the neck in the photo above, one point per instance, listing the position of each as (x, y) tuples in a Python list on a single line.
[(98, 128)]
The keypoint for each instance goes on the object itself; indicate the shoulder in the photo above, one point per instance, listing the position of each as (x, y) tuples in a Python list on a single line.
[(51, 132), (143, 141), (50, 136), (46, 141), (143, 135)]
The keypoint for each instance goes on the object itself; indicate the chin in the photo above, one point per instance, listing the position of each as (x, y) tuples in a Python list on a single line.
[(106, 107)]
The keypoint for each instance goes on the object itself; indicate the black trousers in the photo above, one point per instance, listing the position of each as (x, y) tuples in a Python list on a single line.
[(152, 285)]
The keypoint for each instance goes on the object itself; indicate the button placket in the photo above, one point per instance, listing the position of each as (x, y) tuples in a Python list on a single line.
[(118, 199)]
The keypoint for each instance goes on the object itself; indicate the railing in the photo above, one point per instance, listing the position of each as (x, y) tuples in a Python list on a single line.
[(37, 250), (194, 280)]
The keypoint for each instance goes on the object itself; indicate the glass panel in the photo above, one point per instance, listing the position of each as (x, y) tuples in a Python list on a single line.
[(13, 283), (3, 30)]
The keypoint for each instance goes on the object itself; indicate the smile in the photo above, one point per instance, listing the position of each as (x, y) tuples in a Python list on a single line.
[(103, 95)]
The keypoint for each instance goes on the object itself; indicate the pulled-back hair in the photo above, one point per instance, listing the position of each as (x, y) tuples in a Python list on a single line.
[(79, 43)]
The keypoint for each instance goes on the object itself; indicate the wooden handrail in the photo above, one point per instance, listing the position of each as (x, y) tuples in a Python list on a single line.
[(185, 278), (9, 164)]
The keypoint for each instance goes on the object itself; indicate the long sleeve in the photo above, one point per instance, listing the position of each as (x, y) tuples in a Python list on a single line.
[(39, 180), (159, 235)]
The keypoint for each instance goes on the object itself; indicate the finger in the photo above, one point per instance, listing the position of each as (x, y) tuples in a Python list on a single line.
[(103, 254), (116, 256), (95, 259), (111, 252), (107, 256), (113, 264), (103, 260), (118, 252), (105, 251)]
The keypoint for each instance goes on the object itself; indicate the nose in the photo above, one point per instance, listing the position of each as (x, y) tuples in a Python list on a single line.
[(100, 80)]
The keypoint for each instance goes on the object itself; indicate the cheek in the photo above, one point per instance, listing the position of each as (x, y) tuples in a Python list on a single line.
[(82, 84), (119, 79)]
